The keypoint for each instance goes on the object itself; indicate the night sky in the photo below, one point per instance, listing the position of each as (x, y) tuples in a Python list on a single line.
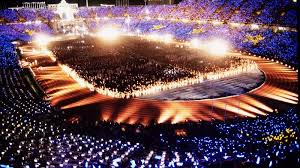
[(14, 3)]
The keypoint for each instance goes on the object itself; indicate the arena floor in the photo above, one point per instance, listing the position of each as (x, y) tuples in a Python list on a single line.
[(279, 91), (223, 87)]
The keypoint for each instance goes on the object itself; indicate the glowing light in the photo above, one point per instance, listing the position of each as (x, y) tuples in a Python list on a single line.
[(195, 43), (217, 47), (42, 40), (127, 20), (216, 22), (167, 38), (254, 26), (109, 33), (65, 10), (147, 11), (235, 24)]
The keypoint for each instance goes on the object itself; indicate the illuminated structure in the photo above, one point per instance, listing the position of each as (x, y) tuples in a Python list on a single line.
[(64, 9), (35, 5), (31, 5)]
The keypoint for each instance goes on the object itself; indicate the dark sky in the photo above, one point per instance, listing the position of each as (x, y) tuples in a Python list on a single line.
[(13, 3)]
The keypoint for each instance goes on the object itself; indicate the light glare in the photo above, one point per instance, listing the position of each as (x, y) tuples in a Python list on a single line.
[(217, 47), (109, 33)]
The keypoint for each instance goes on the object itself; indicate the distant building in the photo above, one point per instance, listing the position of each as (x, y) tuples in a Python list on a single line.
[(31, 5), (63, 4), (65, 10)]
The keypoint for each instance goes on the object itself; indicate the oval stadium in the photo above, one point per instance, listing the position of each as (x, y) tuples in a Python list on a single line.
[(154, 83)]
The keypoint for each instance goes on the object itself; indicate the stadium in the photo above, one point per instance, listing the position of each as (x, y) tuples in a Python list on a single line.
[(153, 83)]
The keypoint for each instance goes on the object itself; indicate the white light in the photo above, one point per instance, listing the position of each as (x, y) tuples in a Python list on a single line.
[(254, 26), (147, 11), (127, 20), (167, 38), (195, 43), (42, 40), (235, 24), (217, 47), (154, 36), (109, 33), (216, 22)]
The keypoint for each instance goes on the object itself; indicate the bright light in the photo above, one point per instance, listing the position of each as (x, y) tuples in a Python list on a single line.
[(254, 26), (235, 24), (167, 38), (65, 11), (109, 33), (195, 43), (216, 22), (42, 40), (217, 47), (127, 20), (147, 11), (154, 36)]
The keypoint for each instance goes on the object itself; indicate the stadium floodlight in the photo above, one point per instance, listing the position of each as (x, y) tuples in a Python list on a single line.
[(217, 47), (167, 38), (195, 43), (138, 31), (42, 40), (109, 33), (154, 37)]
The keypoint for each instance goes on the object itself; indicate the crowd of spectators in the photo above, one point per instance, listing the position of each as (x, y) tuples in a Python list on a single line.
[(129, 66)]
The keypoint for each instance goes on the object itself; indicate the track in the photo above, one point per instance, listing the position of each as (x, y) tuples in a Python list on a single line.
[(279, 91)]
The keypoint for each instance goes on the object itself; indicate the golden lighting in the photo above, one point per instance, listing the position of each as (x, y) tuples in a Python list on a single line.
[(254, 39), (157, 27), (197, 31)]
